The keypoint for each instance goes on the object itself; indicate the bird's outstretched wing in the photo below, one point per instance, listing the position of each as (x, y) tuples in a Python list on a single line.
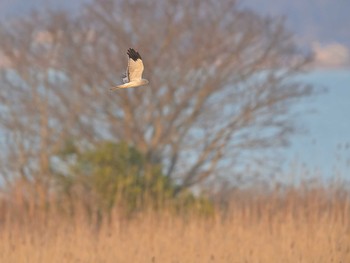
[(135, 65)]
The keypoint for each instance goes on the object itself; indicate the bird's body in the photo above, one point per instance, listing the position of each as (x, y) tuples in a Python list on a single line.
[(133, 76)]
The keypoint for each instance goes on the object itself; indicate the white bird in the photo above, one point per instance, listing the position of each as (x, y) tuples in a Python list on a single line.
[(133, 76)]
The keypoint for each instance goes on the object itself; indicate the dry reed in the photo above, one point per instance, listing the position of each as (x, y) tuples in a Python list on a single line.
[(312, 227)]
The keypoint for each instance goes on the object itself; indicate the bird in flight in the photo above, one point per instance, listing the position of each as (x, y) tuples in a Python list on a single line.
[(133, 75)]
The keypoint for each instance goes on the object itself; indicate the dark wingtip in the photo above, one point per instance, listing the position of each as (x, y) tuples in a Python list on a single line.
[(134, 55)]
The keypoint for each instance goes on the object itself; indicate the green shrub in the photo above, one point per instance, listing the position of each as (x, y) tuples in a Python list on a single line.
[(117, 175)]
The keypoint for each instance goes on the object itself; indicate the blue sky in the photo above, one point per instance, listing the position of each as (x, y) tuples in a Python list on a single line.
[(326, 144), (312, 20), (324, 27)]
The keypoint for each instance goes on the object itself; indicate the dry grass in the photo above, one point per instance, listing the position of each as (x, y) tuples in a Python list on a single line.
[(297, 229)]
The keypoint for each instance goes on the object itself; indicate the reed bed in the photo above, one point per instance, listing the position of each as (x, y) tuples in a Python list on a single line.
[(298, 227)]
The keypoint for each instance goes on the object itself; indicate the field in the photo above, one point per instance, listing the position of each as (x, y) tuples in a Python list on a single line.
[(297, 228)]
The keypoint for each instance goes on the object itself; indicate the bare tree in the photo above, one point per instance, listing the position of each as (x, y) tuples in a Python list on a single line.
[(221, 85), (36, 99)]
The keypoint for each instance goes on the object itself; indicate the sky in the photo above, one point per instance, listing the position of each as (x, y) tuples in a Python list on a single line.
[(325, 147), (322, 26)]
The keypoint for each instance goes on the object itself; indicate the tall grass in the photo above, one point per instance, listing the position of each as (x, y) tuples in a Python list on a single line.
[(296, 226)]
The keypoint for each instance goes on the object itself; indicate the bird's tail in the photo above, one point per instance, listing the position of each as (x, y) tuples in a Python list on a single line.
[(123, 86), (114, 88)]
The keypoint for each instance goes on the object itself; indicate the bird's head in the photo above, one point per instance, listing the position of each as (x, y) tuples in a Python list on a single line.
[(145, 82)]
